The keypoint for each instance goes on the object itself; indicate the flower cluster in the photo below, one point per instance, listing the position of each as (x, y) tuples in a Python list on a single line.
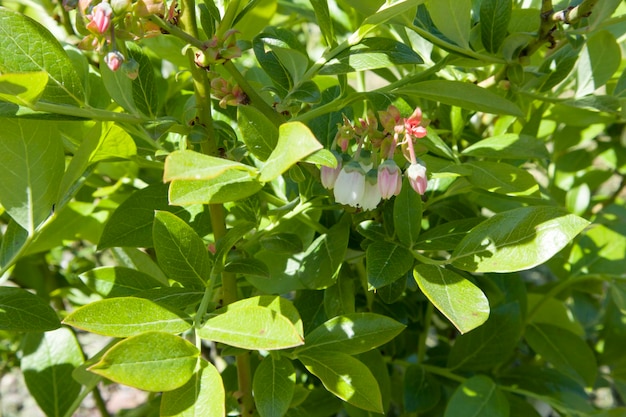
[(218, 50), (370, 174), (109, 20)]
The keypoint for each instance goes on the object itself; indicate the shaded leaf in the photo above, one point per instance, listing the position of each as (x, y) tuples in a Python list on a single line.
[(494, 21), (23, 311), (258, 133), (273, 386), (478, 396), (386, 262), (115, 281), (23, 88), (421, 390)]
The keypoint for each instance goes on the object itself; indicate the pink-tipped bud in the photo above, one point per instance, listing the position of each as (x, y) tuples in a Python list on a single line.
[(416, 173), (389, 179), (329, 175), (114, 60), (100, 18)]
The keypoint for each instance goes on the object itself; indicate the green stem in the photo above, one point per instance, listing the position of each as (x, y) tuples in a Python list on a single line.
[(574, 14), (421, 347), (102, 407), (229, 18)]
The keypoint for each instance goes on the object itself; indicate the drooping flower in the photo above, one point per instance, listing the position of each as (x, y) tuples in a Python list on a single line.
[(350, 185), (114, 60), (100, 18), (329, 175), (371, 193), (389, 179), (416, 174)]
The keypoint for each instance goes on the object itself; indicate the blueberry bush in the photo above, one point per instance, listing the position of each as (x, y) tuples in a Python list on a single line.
[(310, 208)]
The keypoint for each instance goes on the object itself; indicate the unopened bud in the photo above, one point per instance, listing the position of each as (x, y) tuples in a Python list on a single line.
[(114, 60)]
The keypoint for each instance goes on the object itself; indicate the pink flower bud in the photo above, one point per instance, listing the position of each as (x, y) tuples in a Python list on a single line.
[(389, 179), (329, 175), (390, 118), (100, 18), (114, 60), (417, 177)]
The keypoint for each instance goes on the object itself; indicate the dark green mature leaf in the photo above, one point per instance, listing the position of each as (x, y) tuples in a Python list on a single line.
[(48, 360), (478, 396), (247, 266), (371, 53), (421, 390), (23, 89), (147, 85), (258, 133), (190, 165), (491, 343), (464, 95), (273, 386), (180, 252), (352, 333), (566, 351), (131, 223), (598, 61), (115, 281), (120, 88), (494, 21), (516, 240), (446, 236), (501, 178), (202, 395), (252, 327), (14, 239), (31, 165), (132, 362), (453, 19), (346, 377), (407, 215), (325, 23), (127, 316), (558, 66), (295, 142), (232, 185), (282, 242), (23, 311), (26, 46), (508, 146), (386, 262), (462, 302)]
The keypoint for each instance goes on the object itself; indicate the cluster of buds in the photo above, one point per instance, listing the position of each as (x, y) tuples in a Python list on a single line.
[(371, 174), (227, 93), (108, 20), (218, 50)]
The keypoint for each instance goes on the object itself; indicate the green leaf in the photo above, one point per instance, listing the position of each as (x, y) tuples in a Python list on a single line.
[(501, 178), (180, 252), (600, 251), (566, 351), (462, 302), (421, 390), (146, 86), (346, 377), (14, 239), (136, 259), (325, 23), (295, 142), (553, 312), (320, 263), (386, 262), (369, 54), (517, 239), (202, 395), (131, 223), (508, 146), (478, 396), (399, 11), (495, 16), (407, 215), (598, 61), (25, 312), (490, 344), (32, 162), (462, 94), (446, 236), (27, 47), (127, 316), (352, 334), (151, 361), (282, 243), (177, 298), (23, 89), (115, 281), (273, 386), (47, 362), (190, 165), (258, 133), (252, 327), (453, 19), (248, 266), (232, 185)]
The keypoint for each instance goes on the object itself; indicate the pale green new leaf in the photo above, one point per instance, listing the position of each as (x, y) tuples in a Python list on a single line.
[(23, 89), (252, 327), (23, 311), (453, 19), (273, 386), (462, 302), (152, 361), (203, 395), (352, 333), (32, 162), (517, 239), (478, 396), (295, 142), (346, 377), (127, 316), (47, 362), (273, 302), (598, 61), (117, 281), (190, 165), (231, 185)]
